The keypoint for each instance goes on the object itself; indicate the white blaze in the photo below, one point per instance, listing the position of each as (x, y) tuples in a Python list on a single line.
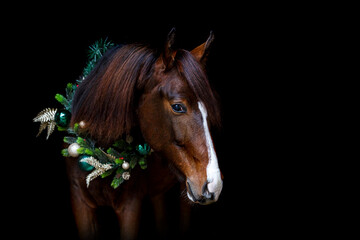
[(212, 170)]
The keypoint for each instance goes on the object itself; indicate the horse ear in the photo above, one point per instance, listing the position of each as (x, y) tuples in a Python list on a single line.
[(201, 52), (167, 58)]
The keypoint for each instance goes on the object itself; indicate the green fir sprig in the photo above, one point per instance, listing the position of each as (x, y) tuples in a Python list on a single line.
[(66, 100), (96, 51), (121, 151)]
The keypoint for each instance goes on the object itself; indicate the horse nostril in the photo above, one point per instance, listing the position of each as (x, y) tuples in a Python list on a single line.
[(205, 192), (208, 195), (205, 197)]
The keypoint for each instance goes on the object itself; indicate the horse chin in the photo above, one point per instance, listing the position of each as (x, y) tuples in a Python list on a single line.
[(201, 202)]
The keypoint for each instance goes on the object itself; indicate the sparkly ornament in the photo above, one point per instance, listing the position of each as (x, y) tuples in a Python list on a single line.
[(47, 119), (143, 150), (73, 149), (125, 165), (82, 124), (126, 175), (62, 118), (84, 165), (129, 139)]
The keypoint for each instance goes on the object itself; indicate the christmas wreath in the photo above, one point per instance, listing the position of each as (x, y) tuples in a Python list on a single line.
[(118, 160)]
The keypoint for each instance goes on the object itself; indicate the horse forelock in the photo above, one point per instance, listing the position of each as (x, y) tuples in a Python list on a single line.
[(193, 72)]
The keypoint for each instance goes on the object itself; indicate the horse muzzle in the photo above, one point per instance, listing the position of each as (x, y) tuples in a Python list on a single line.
[(205, 196)]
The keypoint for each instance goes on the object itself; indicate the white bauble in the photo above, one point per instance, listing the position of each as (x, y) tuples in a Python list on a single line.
[(125, 165), (73, 149), (82, 124)]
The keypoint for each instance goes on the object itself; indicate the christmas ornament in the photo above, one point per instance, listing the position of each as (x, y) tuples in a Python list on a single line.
[(84, 165), (62, 118), (82, 124), (126, 175), (125, 165), (129, 139), (143, 150), (47, 119), (73, 149)]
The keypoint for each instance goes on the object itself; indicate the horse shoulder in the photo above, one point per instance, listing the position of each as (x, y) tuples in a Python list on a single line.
[(79, 195)]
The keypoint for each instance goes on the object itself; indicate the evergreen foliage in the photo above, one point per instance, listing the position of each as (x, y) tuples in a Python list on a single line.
[(96, 51), (115, 155)]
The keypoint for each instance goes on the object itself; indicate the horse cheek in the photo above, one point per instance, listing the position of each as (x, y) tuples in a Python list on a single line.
[(153, 124)]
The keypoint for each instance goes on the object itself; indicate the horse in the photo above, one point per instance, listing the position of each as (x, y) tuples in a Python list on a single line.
[(162, 98)]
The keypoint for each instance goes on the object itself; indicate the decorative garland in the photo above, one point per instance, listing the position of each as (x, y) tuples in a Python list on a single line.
[(119, 159)]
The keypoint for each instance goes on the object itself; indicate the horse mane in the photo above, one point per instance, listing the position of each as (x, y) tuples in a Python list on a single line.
[(106, 98)]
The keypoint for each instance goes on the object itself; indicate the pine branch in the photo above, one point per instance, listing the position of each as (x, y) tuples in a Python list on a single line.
[(96, 51)]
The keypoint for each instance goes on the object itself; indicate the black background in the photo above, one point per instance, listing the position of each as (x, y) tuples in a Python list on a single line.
[(255, 65)]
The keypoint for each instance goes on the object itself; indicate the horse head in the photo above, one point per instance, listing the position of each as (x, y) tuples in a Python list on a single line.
[(168, 96), (175, 112)]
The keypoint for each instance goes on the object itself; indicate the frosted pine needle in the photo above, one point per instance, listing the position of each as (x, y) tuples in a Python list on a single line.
[(99, 168), (47, 119)]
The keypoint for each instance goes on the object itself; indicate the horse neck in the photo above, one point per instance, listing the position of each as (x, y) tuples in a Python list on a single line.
[(160, 176)]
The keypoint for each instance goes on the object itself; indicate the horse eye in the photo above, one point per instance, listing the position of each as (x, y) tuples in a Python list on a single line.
[(178, 108)]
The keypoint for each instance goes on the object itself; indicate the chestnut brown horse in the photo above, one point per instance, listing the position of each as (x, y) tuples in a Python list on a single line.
[(164, 99)]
